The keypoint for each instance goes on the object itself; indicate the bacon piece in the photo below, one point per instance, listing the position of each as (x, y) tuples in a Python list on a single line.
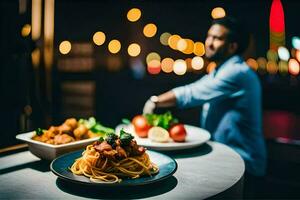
[(103, 146), (121, 152)]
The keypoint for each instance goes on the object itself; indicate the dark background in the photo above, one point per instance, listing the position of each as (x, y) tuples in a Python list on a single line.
[(116, 94)]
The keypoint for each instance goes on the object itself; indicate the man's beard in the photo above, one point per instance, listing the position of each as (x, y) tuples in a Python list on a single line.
[(218, 56)]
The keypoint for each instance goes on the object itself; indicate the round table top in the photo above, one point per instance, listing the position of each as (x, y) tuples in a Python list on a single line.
[(203, 172)]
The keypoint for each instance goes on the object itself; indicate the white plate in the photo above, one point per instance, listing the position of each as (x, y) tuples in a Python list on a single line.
[(49, 151), (195, 137)]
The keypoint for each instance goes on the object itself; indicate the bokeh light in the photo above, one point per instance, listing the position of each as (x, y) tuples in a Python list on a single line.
[(153, 56), (134, 49), (199, 49), (153, 67), (272, 55), (26, 29), (197, 63), (218, 12), (283, 53), (164, 38), (167, 65), (272, 67), (296, 42), (210, 67), (114, 46), (99, 38), (294, 67), (252, 63), (262, 65), (181, 44), (173, 40), (134, 14), (65, 47), (297, 55), (180, 67), (190, 46), (283, 67), (150, 30), (188, 62)]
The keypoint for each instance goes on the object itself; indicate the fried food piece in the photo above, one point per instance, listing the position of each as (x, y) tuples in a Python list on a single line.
[(63, 139), (65, 129), (72, 122), (80, 131)]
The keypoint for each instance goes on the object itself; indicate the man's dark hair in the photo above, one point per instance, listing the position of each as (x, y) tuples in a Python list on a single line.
[(237, 32)]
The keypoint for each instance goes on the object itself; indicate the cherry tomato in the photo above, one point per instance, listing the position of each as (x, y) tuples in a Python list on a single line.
[(177, 132), (141, 125)]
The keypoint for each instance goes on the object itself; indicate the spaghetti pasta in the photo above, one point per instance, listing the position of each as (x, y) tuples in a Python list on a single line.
[(103, 163)]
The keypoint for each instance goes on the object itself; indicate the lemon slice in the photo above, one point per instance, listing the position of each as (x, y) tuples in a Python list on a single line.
[(158, 134)]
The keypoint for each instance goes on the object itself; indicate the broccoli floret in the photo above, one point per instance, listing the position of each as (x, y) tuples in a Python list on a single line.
[(125, 138), (110, 138), (39, 131)]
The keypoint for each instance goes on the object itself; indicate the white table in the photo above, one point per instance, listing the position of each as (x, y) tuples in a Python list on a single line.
[(211, 170)]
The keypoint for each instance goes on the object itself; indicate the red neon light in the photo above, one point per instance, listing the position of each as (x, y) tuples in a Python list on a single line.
[(276, 17)]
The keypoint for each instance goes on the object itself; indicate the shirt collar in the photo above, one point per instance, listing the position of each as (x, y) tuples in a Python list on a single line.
[(229, 61)]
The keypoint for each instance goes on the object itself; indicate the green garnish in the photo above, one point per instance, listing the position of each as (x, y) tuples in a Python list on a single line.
[(125, 137), (101, 139), (126, 121), (95, 126), (39, 131), (110, 138), (163, 120)]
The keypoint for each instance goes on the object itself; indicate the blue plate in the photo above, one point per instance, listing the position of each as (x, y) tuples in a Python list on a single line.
[(167, 167)]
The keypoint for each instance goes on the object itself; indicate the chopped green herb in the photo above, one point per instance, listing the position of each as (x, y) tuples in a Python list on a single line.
[(163, 120), (39, 131), (125, 137), (110, 138), (126, 121), (101, 139)]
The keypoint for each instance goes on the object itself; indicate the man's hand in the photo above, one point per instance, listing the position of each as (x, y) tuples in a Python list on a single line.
[(150, 105)]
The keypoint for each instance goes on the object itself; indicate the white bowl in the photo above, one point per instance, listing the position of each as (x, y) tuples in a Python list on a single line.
[(49, 151)]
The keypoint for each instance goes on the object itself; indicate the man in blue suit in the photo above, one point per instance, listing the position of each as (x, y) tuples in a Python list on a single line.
[(230, 96)]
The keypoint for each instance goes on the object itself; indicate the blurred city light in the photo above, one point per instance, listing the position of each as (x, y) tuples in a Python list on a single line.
[(272, 67), (153, 67), (114, 46), (210, 67), (190, 46), (252, 63), (167, 65), (181, 44), (218, 12), (283, 53), (99, 38), (173, 40), (294, 67), (199, 49), (65, 47), (153, 56), (272, 55), (297, 55), (197, 63), (150, 30), (164, 38), (180, 67), (296, 42), (134, 14), (134, 49), (26, 29)]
